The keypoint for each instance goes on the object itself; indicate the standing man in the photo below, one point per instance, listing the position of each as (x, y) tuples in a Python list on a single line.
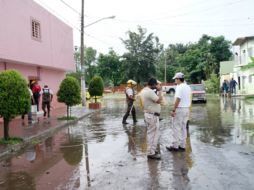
[(36, 89), (130, 98), (47, 97), (152, 109), (29, 114), (225, 88), (180, 113), (232, 85)]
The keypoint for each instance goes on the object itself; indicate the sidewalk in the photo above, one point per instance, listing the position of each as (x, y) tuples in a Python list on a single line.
[(43, 128)]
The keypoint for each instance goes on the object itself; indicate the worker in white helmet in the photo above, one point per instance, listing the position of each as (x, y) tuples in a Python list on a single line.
[(130, 98)]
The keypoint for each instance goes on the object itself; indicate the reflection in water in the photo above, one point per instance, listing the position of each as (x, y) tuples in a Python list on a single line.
[(19, 180), (180, 170), (131, 132), (72, 149), (154, 173), (225, 119), (87, 163)]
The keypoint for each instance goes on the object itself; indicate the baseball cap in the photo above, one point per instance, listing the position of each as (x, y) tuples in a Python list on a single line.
[(178, 76)]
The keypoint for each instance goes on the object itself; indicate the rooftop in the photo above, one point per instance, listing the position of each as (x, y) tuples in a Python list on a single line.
[(241, 40)]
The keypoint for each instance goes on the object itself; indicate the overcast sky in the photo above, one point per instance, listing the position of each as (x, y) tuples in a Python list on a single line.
[(173, 21)]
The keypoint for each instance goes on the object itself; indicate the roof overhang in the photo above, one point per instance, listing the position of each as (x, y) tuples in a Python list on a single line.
[(242, 40)]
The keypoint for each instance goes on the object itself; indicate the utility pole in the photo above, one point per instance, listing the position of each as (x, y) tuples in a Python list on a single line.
[(165, 68), (83, 83)]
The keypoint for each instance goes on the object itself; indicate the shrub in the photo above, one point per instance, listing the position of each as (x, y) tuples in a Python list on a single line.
[(96, 87), (69, 93), (213, 84), (14, 97)]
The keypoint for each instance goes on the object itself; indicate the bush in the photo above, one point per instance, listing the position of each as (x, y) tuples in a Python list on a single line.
[(14, 97), (69, 92), (96, 87), (213, 84)]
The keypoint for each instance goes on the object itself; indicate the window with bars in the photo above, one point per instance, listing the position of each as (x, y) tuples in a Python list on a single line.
[(36, 30)]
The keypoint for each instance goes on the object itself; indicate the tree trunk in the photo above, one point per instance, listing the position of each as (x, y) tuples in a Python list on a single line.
[(67, 112), (95, 98), (6, 129)]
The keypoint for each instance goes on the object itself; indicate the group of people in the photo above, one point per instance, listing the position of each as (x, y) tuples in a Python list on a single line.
[(229, 87), (151, 98), (36, 92)]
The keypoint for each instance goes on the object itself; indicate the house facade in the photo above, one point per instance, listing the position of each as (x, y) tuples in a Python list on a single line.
[(35, 43), (244, 50), (226, 70)]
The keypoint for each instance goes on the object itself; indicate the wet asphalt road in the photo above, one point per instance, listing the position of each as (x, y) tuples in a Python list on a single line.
[(100, 153)]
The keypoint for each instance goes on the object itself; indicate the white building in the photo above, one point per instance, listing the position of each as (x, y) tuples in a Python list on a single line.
[(244, 50)]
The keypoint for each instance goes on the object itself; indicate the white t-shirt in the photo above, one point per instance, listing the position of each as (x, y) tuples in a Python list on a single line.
[(129, 91), (30, 92), (149, 99), (183, 91)]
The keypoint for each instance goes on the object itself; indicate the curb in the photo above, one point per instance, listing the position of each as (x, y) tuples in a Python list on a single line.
[(12, 149)]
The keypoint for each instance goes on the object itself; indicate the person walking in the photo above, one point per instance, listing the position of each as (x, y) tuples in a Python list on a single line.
[(152, 108), (180, 113), (232, 85), (225, 88), (36, 89), (29, 114), (130, 98), (47, 97)]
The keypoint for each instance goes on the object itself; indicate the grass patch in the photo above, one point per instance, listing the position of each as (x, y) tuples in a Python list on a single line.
[(67, 118), (11, 140)]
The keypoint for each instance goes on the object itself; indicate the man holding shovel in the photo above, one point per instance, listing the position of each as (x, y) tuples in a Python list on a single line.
[(130, 98)]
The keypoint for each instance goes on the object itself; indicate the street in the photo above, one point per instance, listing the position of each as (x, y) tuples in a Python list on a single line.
[(100, 153)]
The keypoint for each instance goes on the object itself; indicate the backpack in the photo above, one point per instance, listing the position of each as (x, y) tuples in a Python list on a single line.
[(46, 96)]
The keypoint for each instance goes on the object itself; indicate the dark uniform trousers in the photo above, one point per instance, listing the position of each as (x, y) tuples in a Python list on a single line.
[(131, 109)]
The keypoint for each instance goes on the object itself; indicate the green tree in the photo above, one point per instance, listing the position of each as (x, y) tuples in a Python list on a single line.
[(77, 75), (14, 97), (90, 64), (141, 56), (96, 87), (110, 67), (69, 93), (89, 61)]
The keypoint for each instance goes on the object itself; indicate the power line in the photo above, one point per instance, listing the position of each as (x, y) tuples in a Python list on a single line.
[(74, 10), (58, 15), (186, 13), (102, 41)]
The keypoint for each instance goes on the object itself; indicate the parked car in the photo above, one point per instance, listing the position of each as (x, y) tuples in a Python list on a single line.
[(198, 93), (169, 88)]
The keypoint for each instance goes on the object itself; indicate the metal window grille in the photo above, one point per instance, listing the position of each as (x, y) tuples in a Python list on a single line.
[(36, 29)]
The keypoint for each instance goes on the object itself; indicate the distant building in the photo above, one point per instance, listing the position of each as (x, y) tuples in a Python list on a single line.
[(226, 70), (244, 77), (35, 42)]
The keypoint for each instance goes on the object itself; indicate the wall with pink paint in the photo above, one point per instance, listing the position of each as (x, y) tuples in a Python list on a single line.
[(54, 50), (50, 77)]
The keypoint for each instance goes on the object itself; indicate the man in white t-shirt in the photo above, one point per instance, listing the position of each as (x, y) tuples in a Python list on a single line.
[(152, 108), (180, 113)]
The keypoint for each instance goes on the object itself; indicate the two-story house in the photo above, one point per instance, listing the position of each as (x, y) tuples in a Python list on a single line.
[(243, 54), (35, 42)]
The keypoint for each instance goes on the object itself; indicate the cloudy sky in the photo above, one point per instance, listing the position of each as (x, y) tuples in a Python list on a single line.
[(173, 21)]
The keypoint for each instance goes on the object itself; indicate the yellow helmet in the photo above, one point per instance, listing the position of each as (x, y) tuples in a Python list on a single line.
[(131, 82)]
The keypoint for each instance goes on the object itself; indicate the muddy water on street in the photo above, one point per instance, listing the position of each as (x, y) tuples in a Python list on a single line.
[(100, 153)]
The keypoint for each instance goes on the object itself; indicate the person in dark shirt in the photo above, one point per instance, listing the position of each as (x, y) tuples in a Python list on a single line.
[(233, 84)]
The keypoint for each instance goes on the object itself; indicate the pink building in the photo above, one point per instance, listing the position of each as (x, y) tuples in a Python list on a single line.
[(35, 42)]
